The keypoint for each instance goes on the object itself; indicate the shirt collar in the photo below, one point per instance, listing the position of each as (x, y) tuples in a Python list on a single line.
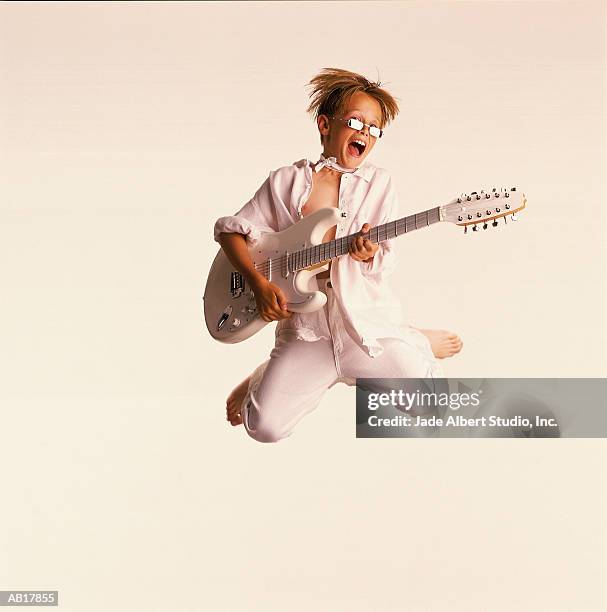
[(364, 171)]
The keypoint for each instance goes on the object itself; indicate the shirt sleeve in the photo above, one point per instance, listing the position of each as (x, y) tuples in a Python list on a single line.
[(255, 217), (383, 263)]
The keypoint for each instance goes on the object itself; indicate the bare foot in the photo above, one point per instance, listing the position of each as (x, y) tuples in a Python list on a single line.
[(444, 343), (234, 402)]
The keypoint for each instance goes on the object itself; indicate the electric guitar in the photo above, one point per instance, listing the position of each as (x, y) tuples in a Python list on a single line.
[(292, 258)]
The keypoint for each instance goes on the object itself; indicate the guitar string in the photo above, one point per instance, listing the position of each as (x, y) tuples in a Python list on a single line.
[(309, 255)]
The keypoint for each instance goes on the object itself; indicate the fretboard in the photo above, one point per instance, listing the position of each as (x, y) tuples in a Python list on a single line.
[(338, 247)]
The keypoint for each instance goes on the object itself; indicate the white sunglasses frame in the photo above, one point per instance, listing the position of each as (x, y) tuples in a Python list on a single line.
[(347, 121)]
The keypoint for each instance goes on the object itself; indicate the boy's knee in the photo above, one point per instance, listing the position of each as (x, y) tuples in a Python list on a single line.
[(265, 435), (262, 427), (267, 432)]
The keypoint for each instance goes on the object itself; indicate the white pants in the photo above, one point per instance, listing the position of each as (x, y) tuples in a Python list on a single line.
[(290, 384)]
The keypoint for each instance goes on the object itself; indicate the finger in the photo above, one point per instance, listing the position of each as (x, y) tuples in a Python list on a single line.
[(356, 249), (280, 313), (282, 300), (365, 228), (270, 313), (277, 311)]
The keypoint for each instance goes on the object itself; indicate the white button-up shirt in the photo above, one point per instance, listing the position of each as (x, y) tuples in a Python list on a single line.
[(369, 308)]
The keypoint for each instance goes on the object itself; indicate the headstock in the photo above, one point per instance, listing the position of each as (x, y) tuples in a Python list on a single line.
[(483, 209)]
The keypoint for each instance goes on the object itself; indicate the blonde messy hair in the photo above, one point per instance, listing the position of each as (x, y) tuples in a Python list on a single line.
[(333, 87)]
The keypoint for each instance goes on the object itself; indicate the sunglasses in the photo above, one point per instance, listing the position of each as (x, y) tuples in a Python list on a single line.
[(357, 124)]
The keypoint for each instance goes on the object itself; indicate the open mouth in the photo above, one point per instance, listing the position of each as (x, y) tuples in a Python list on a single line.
[(356, 147)]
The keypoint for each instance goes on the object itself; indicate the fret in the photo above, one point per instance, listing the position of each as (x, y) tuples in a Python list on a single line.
[(339, 246), (410, 222)]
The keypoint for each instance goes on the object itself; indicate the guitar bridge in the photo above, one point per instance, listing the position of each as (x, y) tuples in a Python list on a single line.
[(236, 284)]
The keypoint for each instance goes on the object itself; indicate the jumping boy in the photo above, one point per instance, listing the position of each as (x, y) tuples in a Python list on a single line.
[(360, 332)]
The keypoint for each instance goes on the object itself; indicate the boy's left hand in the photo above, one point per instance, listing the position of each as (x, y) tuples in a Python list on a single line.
[(362, 249)]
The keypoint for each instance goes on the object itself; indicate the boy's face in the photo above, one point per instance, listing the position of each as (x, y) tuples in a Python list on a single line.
[(339, 138)]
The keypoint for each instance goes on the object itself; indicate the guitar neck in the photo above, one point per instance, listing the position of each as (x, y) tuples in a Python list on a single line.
[(338, 247)]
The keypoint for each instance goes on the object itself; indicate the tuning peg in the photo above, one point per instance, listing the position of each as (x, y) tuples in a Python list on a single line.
[(475, 228), (485, 226), (495, 223), (514, 217), (505, 220), (465, 229)]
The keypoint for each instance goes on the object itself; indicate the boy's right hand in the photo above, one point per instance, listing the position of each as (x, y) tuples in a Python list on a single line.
[(271, 301)]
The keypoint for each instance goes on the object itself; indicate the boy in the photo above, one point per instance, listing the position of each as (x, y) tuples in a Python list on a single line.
[(360, 331)]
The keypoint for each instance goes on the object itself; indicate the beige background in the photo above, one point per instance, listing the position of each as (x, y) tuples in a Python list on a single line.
[(126, 130)]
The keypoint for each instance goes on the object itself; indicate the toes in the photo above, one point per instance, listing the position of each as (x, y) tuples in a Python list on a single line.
[(232, 410), (235, 418), (233, 415)]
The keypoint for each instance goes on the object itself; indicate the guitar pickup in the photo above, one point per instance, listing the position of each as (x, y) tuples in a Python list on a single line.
[(236, 284)]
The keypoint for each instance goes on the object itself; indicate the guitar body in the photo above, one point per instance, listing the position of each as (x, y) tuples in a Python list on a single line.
[(230, 309)]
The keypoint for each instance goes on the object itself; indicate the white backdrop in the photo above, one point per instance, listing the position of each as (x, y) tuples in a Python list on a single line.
[(126, 130)]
